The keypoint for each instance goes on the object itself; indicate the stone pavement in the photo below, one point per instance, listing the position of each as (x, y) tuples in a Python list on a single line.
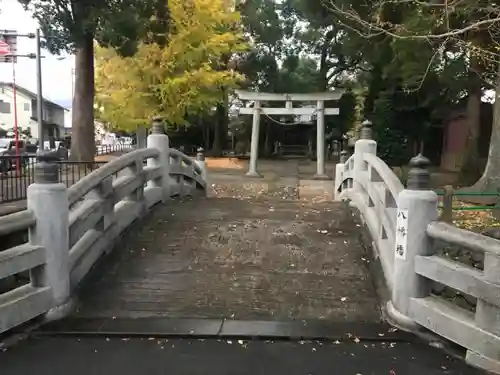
[(245, 259), (159, 356)]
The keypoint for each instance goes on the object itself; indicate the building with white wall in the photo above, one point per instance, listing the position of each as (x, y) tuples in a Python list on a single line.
[(53, 114)]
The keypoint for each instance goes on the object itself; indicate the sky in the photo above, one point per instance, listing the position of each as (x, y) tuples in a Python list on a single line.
[(56, 70)]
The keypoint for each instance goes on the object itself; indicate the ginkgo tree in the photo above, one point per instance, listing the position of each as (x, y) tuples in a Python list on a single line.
[(182, 77), (73, 26)]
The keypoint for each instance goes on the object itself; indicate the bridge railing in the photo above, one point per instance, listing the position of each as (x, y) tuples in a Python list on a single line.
[(374, 192), (405, 231), (27, 301), (71, 228), (477, 330)]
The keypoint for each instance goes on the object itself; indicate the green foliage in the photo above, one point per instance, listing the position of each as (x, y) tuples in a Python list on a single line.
[(73, 25), (174, 80), (347, 113), (277, 38), (262, 21), (297, 75), (408, 81), (119, 23)]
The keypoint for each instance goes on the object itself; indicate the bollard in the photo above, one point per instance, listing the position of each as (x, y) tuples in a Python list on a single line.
[(48, 200)]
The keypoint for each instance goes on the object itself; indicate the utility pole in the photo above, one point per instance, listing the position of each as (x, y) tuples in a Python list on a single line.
[(8, 49), (39, 95), (16, 124), (10, 37)]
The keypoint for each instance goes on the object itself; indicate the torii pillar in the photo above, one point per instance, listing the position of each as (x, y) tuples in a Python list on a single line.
[(254, 143), (320, 141), (320, 111)]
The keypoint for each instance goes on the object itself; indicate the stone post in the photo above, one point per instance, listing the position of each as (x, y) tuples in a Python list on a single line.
[(364, 145), (159, 140), (447, 214), (254, 145), (417, 207), (339, 172), (200, 162), (48, 200)]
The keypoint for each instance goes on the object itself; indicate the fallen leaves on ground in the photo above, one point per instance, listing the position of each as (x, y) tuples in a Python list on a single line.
[(225, 163), (474, 220)]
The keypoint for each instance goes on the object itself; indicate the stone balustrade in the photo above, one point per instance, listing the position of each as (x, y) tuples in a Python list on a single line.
[(404, 226), (71, 228)]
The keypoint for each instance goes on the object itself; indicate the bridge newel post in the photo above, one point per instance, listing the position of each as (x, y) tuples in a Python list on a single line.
[(200, 162), (417, 207), (47, 198), (339, 172), (159, 140), (364, 145)]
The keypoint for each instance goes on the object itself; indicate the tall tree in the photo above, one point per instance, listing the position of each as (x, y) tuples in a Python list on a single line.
[(74, 25), (459, 34), (173, 80)]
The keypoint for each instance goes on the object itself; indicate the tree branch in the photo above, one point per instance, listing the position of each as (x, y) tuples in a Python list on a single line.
[(357, 19)]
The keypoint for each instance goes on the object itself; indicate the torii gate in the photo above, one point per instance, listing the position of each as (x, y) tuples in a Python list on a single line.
[(320, 112)]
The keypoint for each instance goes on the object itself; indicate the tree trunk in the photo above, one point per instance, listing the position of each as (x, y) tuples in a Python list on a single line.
[(221, 126), (323, 67), (216, 145), (221, 115), (267, 145), (490, 180), (83, 137), (470, 171), (206, 136), (205, 131)]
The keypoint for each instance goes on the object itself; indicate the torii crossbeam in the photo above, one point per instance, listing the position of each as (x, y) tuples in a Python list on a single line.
[(320, 111)]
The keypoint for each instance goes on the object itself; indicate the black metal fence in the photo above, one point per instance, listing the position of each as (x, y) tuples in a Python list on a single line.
[(14, 181), (191, 150), (109, 149)]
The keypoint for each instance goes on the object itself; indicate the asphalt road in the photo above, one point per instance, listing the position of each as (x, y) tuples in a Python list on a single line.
[(47, 355)]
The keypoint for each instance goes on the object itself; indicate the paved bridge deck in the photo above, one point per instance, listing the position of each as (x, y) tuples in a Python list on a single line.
[(261, 250), (258, 259)]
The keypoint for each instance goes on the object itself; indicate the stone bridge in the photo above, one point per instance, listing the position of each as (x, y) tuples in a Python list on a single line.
[(155, 261)]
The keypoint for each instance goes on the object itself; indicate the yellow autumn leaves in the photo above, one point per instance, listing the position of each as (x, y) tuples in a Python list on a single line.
[(185, 76)]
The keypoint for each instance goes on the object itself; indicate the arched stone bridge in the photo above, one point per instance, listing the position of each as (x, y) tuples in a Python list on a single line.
[(153, 248)]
